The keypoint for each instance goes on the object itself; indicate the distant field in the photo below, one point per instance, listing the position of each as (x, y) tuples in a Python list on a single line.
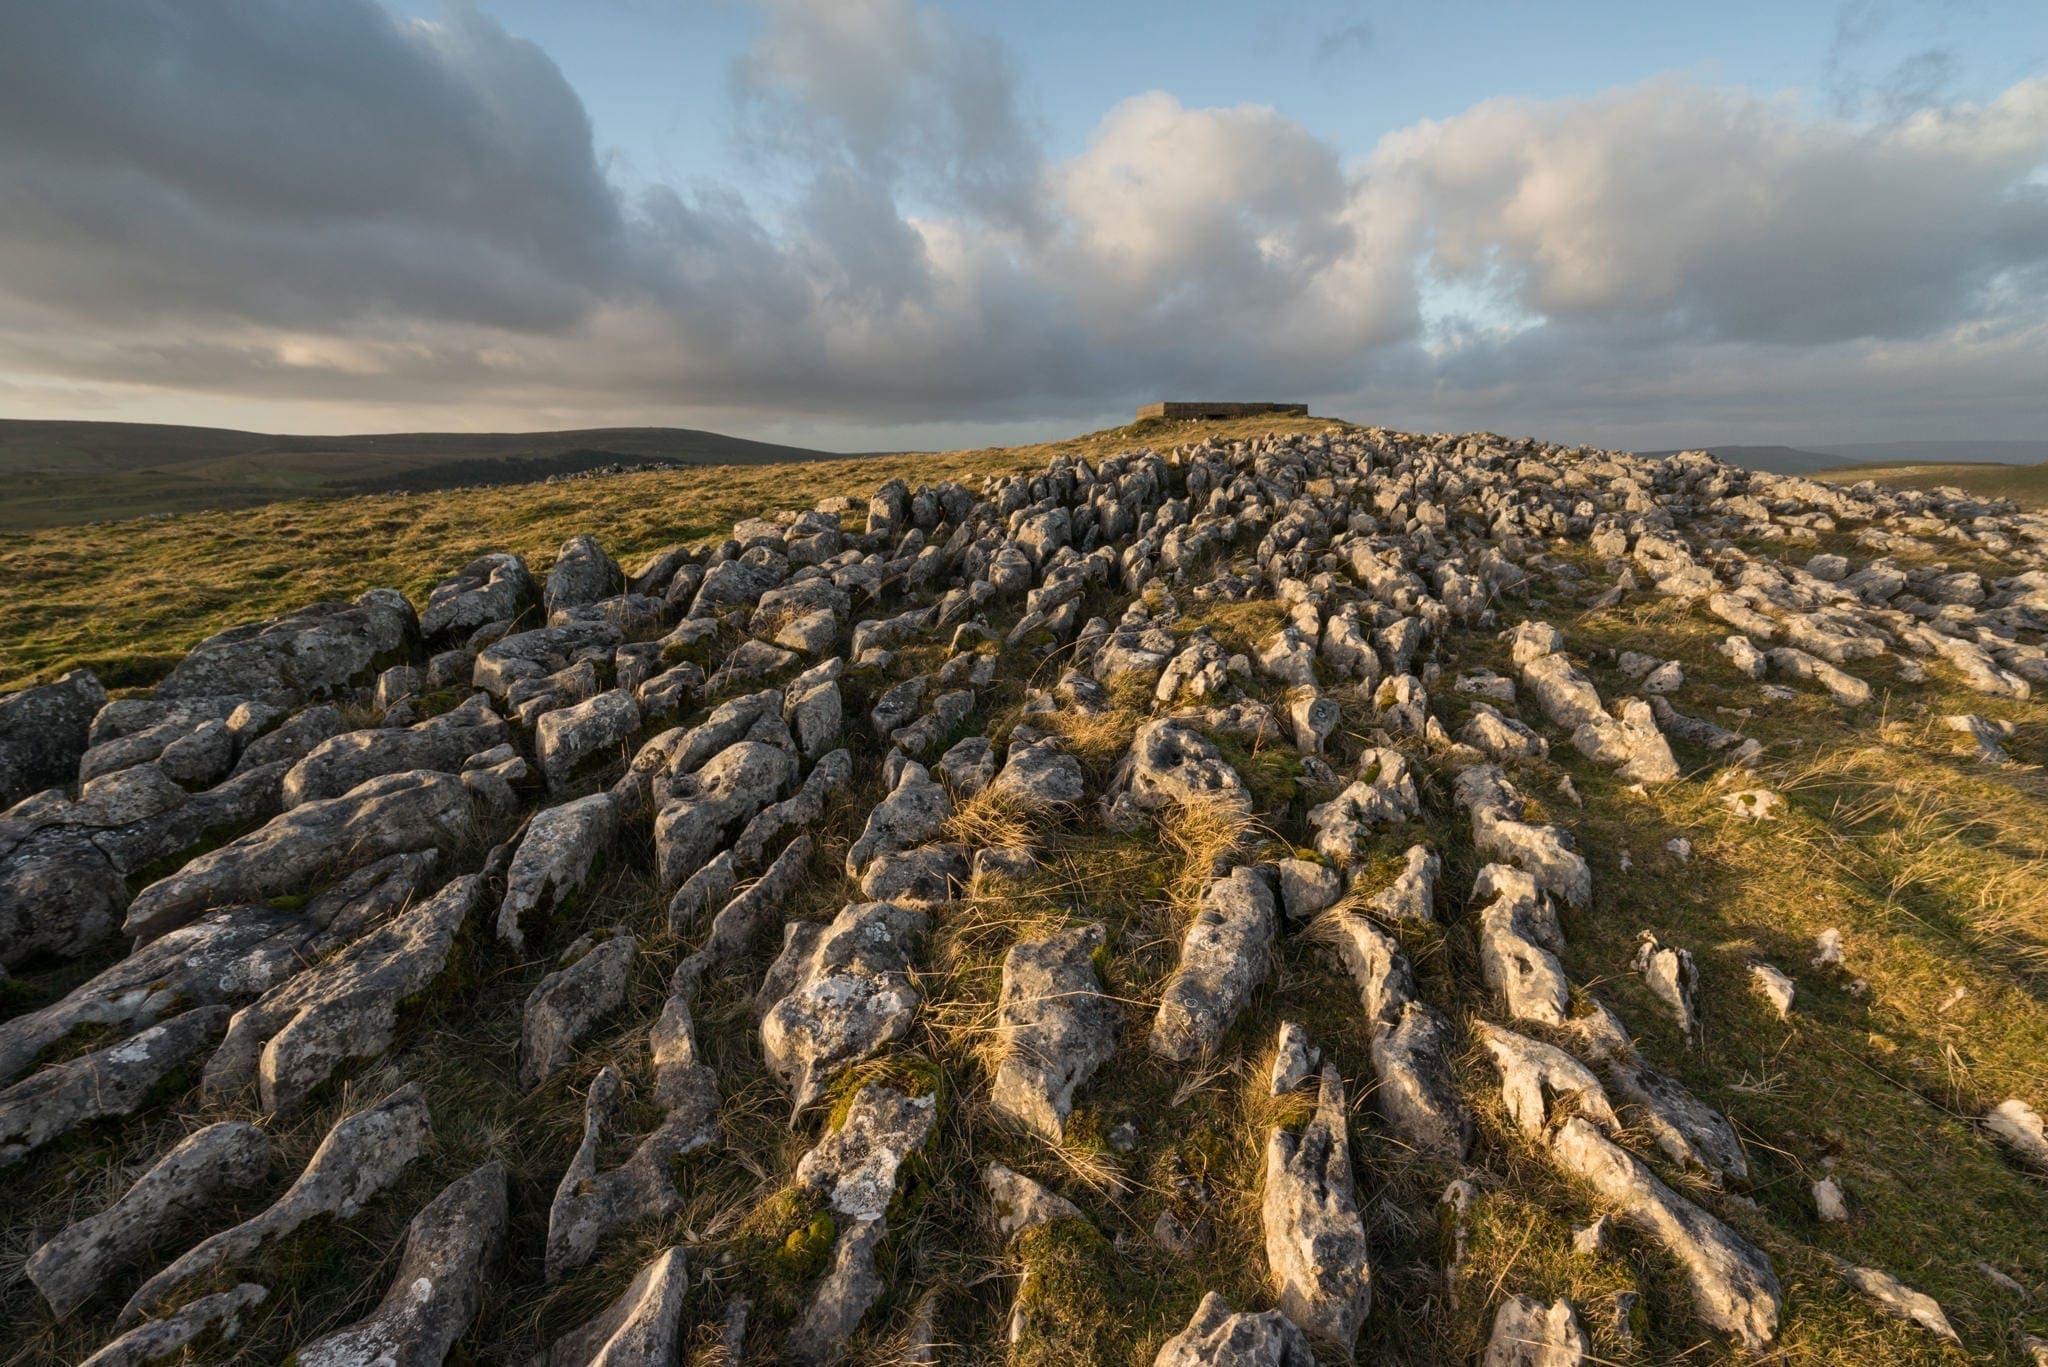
[(129, 598), (63, 473), (2026, 485)]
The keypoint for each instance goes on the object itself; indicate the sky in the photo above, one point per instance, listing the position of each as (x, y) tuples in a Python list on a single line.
[(890, 224)]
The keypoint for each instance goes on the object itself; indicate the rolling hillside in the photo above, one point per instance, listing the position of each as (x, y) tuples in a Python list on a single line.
[(60, 473)]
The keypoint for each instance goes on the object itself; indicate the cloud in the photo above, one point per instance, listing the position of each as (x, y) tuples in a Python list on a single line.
[(1734, 218), (410, 218)]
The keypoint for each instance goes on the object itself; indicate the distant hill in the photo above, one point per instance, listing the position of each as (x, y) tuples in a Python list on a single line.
[(59, 473), (1808, 460), (1939, 452), (1779, 460)]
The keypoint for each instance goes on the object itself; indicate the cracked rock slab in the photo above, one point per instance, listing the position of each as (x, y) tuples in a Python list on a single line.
[(854, 1169), (843, 991), (565, 1004), (590, 1204), (1222, 958), (296, 1036), (115, 1081), (227, 1159), (1315, 1237), (1217, 1338), (433, 1298), (396, 813), (642, 1328), (1057, 1027), (363, 1154), (161, 1339), (1733, 1287)]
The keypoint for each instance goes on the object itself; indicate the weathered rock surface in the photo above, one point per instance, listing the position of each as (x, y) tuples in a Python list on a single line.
[(642, 1328), (1169, 764), (162, 1339), (395, 814), (554, 859), (1057, 1027), (1315, 1237), (225, 1159), (563, 1006), (1217, 1338), (294, 1037), (44, 731), (439, 1284), (340, 763), (1733, 1287), (1527, 1333), (360, 1156), (841, 991), (854, 1169), (1222, 958), (590, 1204), (117, 1080)]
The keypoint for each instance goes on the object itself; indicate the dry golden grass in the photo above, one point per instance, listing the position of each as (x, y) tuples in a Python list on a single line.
[(129, 598)]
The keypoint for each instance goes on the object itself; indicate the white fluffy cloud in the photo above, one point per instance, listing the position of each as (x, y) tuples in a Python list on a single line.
[(411, 218)]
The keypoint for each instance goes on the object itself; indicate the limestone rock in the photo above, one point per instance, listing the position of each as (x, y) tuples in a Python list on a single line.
[(439, 1284), (1016, 1203), (841, 991), (396, 813), (1733, 1287), (311, 652), (1222, 958), (589, 1204), (114, 1081), (1169, 764), (226, 1159), (554, 859), (1672, 978), (1315, 1238), (642, 1328), (1057, 1026), (361, 1155), (2022, 1130), (1898, 1299), (229, 956), (1383, 794), (1307, 888), (567, 736), (854, 1169), (340, 763), (1527, 1333), (162, 1339), (1039, 774), (704, 806), (1775, 986), (44, 731), (490, 588), (583, 573), (915, 811), (564, 1005), (295, 1036), (1217, 1338)]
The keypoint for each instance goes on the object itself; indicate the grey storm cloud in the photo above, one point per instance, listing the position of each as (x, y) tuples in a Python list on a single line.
[(330, 203)]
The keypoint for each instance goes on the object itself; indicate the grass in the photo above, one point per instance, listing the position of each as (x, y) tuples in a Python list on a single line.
[(2026, 485), (1931, 865), (127, 599)]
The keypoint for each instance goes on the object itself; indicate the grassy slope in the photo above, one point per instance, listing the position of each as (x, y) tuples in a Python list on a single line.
[(130, 598), (60, 473), (1934, 868), (2025, 484)]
